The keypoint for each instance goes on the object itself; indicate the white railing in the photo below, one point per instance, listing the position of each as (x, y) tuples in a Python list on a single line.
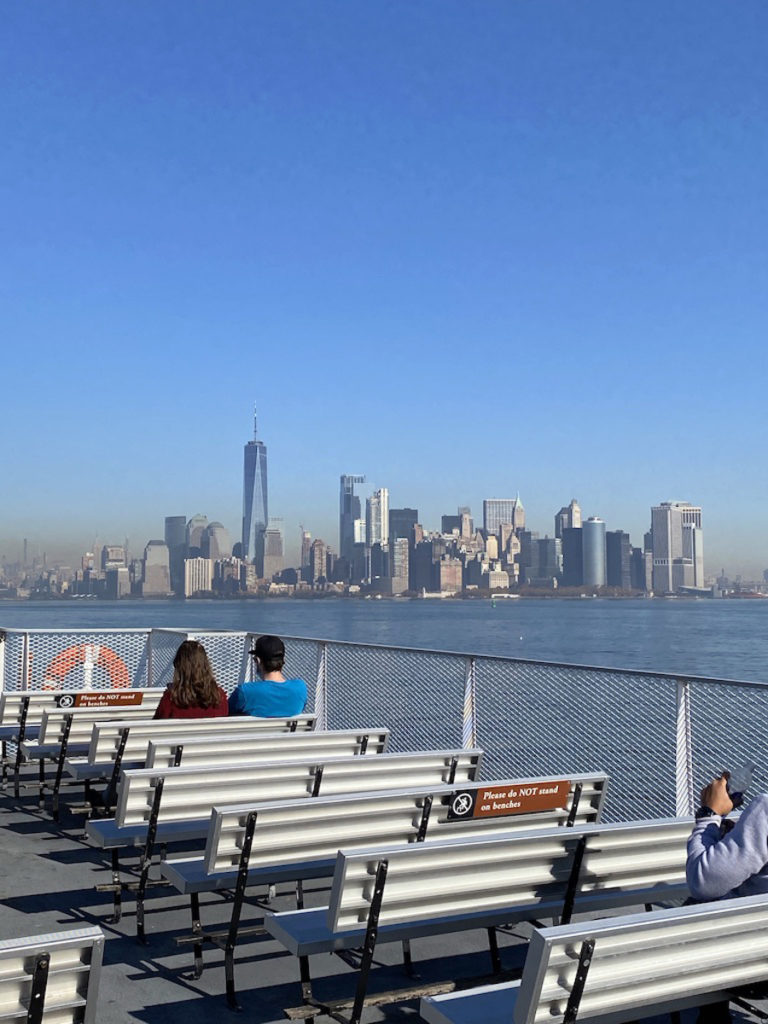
[(659, 736)]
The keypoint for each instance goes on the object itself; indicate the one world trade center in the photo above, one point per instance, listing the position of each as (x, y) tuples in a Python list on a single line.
[(255, 517)]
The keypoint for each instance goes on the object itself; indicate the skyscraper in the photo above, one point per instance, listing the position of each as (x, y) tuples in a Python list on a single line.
[(255, 517), (402, 522), (677, 540), (377, 518), (176, 539), (593, 539), (273, 549), (349, 514), (568, 518), (503, 510)]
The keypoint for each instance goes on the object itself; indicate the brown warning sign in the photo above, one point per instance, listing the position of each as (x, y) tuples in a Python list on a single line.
[(100, 699), (498, 801)]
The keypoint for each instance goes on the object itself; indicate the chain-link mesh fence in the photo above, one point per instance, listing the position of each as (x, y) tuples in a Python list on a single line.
[(529, 717), (418, 695), (75, 659)]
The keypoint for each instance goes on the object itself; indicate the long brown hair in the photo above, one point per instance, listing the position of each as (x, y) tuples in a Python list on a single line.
[(194, 685)]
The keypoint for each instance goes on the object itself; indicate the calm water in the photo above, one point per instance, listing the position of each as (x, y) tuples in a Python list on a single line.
[(726, 639)]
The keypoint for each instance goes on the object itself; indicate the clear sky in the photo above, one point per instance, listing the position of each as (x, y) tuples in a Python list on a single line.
[(467, 249)]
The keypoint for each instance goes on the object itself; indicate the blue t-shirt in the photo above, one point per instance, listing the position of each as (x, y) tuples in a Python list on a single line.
[(267, 698)]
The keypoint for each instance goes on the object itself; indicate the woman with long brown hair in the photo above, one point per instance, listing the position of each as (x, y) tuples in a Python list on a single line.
[(194, 692)]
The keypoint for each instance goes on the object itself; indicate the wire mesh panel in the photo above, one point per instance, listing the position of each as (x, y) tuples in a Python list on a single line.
[(76, 659), (418, 695), (729, 726), (546, 719), (165, 643), (227, 654)]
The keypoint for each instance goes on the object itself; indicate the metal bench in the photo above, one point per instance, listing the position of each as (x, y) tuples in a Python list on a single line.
[(625, 968), (398, 893), (268, 843), (21, 713), (174, 805), (51, 977), (117, 743), (66, 731), (334, 743)]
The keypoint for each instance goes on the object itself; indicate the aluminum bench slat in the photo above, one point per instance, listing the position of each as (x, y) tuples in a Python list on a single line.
[(334, 743)]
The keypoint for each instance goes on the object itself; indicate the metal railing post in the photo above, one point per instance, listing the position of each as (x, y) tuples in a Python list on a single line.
[(25, 662), (469, 714), (3, 650), (321, 687), (150, 665), (684, 804)]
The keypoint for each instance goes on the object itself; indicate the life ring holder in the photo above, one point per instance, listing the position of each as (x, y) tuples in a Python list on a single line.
[(87, 654)]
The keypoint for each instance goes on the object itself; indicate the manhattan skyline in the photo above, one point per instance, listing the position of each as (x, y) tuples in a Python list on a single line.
[(465, 256)]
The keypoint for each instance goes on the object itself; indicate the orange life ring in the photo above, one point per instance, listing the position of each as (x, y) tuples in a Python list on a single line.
[(72, 657)]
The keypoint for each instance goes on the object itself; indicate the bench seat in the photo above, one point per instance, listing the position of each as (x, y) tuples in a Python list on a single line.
[(189, 876), (472, 1006), (106, 834)]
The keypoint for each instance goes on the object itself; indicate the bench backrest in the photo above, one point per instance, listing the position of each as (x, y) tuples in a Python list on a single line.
[(647, 964), (54, 721), (12, 701), (71, 990), (190, 793), (333, 743), (531, 870), (288, 832), (106, 737)]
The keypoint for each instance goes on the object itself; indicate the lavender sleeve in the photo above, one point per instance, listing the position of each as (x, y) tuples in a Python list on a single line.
[(718, 864)]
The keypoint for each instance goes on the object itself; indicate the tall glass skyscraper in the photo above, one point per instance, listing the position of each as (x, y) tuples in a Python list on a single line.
[(255, 516), (349, 513)]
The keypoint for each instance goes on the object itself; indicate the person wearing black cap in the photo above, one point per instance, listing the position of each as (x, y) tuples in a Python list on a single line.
[(271, 695)]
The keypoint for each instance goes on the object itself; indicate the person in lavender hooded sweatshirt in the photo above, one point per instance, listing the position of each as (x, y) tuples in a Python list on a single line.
[(726, 858)]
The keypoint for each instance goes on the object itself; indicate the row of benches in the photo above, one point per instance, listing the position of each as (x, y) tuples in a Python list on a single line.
[(415, 846)]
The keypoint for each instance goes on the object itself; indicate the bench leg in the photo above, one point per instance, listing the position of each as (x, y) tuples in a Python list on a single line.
[(197, 929), (117, 895), (306, 984), (493, 944), (299, 894), (407, 959), (41, 783), (5, 763), (17, 770)]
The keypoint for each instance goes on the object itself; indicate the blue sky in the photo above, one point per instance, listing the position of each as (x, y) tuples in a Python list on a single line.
[(466, 249)]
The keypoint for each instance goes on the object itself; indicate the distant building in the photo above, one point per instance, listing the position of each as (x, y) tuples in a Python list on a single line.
[(568, 518), (677, 543), (317, 561), (117, 583), (274, 562), (112, 556), (194, 535), (349, 513), (593, 540), (573, 557), (198, 576), (450, 523), (255, 504), (399, 564), (503, 510), (377, 518), (450, 574), (618, 556), (402, 522), (156, 573), (176, 539), (216, 542), (306, 547)]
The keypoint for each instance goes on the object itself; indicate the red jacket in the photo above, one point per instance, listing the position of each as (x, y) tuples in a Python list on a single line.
[(167, 709)]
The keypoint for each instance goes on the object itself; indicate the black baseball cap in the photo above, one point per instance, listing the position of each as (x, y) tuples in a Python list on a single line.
[(268, 648)]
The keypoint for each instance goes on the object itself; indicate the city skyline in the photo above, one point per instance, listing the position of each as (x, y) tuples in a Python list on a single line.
[(463, 256)]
